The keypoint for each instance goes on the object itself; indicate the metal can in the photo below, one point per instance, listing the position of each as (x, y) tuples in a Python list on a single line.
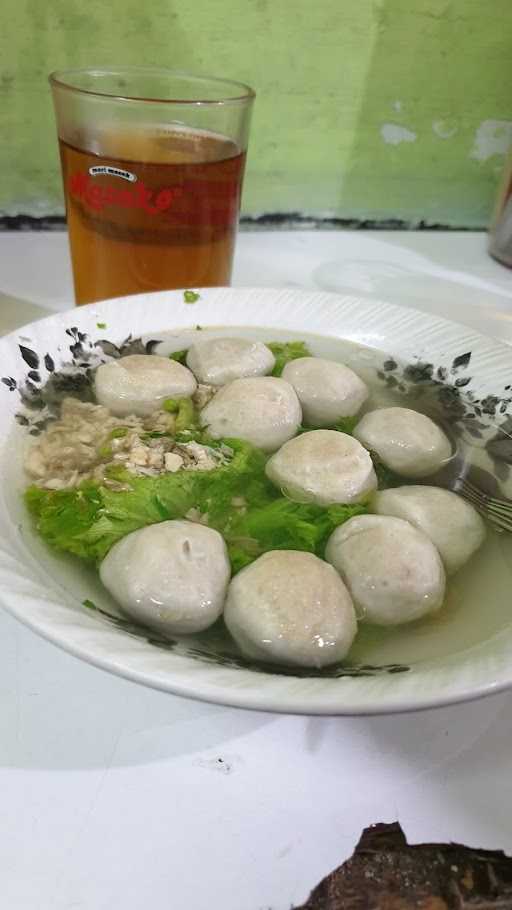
[(500, 234)]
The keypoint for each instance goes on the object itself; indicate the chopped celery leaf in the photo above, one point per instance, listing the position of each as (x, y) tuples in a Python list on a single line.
[(343, 425), (346, 425), (171, 405), (180, 356), (187, 416), (386, 478), (185, 410)]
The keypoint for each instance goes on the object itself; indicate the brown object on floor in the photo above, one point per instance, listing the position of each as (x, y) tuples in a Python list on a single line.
[(386, 873)]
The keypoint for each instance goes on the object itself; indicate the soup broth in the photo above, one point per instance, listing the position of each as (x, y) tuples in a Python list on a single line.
[(477, 604)]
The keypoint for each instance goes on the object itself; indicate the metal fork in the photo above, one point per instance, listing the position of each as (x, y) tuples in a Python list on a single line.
[(496, 510)]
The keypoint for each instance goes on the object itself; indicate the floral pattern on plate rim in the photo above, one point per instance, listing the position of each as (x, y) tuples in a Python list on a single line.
[(447, 387)]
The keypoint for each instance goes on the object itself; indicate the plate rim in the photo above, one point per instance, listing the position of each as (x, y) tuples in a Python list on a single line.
[(251, 698)]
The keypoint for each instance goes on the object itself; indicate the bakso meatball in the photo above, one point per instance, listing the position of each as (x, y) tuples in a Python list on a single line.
[(218, 361), (140, 383), (292, 608), (406, 441), (393, 571), (451, 523), (171, 576), (264, 411), (326, 390), (323, 466)]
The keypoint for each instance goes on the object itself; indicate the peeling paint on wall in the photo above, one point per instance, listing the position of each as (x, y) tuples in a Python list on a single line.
[(445, 129), (377, 111), (493, 137), (394, 134)]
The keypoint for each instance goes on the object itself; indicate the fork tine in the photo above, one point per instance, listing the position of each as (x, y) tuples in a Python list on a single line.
[(500, 524), (498, 500), (504, 523), (475, 496), (485, 498), (477, 500), (498, 512), (490, 503), (496, 521), (474, 491)]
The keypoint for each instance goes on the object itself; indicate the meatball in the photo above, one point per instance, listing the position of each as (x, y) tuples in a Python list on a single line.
[(140, 383), (218, 361), (171, 576), (323, 466), (290, 607), (326, 390), (264, 411), (408, 442), (451, 523), (393, 571)]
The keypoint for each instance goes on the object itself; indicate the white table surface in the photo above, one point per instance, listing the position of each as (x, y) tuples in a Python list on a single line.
[(115, 797)]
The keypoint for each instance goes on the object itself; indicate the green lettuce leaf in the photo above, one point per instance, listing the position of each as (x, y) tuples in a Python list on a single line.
[(286, 351), (343, 425), (346, 424), (284, 525), (89, 519), (236, 499), (180, 356)]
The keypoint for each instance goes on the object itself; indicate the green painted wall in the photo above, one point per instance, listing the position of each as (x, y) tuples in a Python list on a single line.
[(366, 108)]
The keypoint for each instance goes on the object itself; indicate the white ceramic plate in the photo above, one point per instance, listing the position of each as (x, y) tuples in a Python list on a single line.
[(466, 654)]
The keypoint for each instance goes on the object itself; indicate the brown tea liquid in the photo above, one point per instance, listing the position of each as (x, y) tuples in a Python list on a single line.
[(151, 209)]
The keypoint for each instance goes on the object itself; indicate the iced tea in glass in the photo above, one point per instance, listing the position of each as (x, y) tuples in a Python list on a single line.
[(152, 165)]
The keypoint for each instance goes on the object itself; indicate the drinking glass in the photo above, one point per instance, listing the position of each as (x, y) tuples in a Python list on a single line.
[(152, 165)]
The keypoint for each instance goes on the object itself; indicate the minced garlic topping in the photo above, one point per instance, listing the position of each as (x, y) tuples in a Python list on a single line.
[(86, 439)]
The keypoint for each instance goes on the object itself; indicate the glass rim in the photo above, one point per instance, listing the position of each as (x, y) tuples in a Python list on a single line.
[(58, 79)]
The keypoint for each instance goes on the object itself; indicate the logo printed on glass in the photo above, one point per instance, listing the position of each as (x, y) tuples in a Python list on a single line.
[(112, 171), (98, 196)]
